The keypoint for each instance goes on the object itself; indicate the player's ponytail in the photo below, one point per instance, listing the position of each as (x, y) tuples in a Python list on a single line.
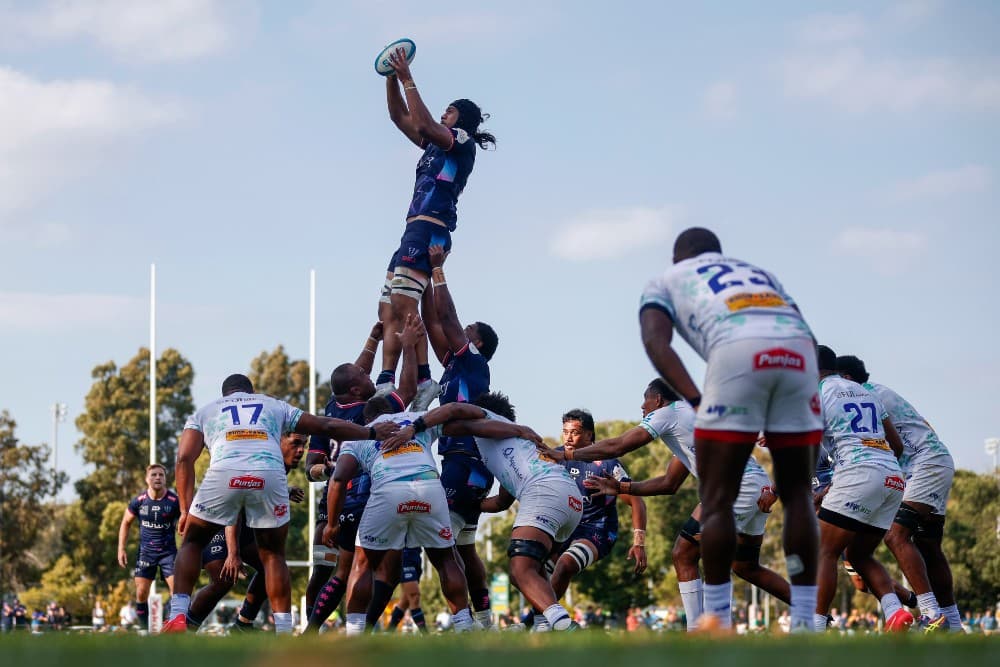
[(470, 117)]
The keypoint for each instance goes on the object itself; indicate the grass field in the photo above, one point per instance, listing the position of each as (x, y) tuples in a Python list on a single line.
[(495, 650)]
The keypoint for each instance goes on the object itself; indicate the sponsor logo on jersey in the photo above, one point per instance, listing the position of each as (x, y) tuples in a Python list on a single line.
[(761, 300), (815, 405), (246, 434), (726, 409), (779, 357), (413, 506), (857, 507), (445, 533), (246, 482), (575, 504), (876, 443), (574, 471), (895, 482), (144, 510), (217, 549), (155, 525), (280, 510), (409, 448)]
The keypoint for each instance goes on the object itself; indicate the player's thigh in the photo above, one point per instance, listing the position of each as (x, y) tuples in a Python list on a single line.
[(858, 493), (431, 526), (929, 486), (794, 415), (384, 521), (217, 501), (553, 506), (271, 541), (267, 507)]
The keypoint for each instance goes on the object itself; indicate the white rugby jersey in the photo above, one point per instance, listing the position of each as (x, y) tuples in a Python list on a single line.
[(517, 463), (921, 445), (413, 458), (852, 425), (674, 425), (243, 431), (714, 299)]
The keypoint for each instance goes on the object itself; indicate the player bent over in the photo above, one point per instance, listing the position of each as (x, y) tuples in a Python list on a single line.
[(550, 505), (158, 509), (865, 494), (246, 473)]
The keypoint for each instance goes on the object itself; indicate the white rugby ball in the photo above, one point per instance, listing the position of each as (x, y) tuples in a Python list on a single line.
[(382, 65)]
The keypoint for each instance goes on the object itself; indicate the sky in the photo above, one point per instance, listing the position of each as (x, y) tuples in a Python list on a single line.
[(851, 148)]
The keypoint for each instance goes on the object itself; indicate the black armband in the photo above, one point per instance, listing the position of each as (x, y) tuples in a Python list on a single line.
[(371, 433), (419, 425)]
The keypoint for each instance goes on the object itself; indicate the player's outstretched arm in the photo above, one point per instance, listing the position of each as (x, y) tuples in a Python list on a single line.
[(346, 470), (637, 551), (447, 315), (497, 503), (412, 333), (340, 429), (398, 112), (609, 448), (123, 529), (892, 436), (366, 359), (491, 428), (188, 451), (419, 116), (233, 563), (664, 485), (657, 332), (435, 417)]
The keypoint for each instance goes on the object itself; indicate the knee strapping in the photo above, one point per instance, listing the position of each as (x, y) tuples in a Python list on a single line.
[(386, 293), (581, 555), (324, 556), (691, 530), (931, 528), (406, 283), (528, 549), (907, 517)]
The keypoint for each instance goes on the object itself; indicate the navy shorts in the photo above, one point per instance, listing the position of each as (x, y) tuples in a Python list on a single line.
[(321, 505), (466, 482), (146, 564), (412, 565), (350, 519), (217, 549), (417, 237), (597, 535)]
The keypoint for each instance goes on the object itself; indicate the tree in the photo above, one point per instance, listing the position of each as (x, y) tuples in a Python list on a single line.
[(26, 480), (971, 539), (67, 583), (115, 427)]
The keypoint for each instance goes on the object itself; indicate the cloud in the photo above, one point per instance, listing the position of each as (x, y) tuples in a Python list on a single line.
[(828, 28), (26, 311), (852, 81), (149, 32), (612, 234), (913, 11), (886, 251), (53, 131), (943, 183), (720, 100)]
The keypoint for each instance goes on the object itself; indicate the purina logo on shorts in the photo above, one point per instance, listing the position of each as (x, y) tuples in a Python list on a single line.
[(246, 482), (779, 357), (411, 506), (894, 482), (280, 510), (445, 533), (575, 504)]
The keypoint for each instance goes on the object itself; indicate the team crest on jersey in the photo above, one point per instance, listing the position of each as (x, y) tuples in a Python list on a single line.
[(575, 504), (280, 510), (413, 506), (779, 357), (895, 482), (445, 533), (246, 482)]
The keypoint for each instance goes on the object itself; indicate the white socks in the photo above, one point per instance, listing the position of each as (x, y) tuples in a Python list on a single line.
[(558, 617), (179, 604), (691, 597), (355, 624), (484, 618), (804, 606), (540, 624), (282, 622), (928, 605), (890, 605), (954, 618), (819, 622), (719, 603), (462, 620)]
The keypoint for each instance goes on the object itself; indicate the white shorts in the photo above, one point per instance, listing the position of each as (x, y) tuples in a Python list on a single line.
[(749, 519), (930, 485), (263, 494), (553, 505), (406, 514), (465, 533), (768, 385), (869, 494)]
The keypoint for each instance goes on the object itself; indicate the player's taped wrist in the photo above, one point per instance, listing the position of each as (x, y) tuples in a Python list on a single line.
[(638, 537), (419, 425), (437, 277), (624, 487)]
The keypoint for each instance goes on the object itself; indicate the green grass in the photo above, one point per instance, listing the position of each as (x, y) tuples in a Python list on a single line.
[(497, 650)]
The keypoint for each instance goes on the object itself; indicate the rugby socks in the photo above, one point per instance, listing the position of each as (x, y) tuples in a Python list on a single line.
[(928, 605), (911, 601), (179, 604), (462, 621), (691, 597), (803, 606), (355, 624), (397, 616), (142, 613), (484, 618), (328, 599), (819, 622), (481, 607), (386, 376), (249, 610), (954, 619), (558, 617), (718, 603), (381, 594), (282, 622), (540, 623), (417, 616), (890, 604), (423, 373)]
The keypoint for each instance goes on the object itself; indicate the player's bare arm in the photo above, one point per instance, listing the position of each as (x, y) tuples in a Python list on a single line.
[(398, 113), (664, 485), (412, 333), (366, 358), (609, 448), (491, 428), (637, 551), (419, 115), (339, 429), (444, 305), (657, 333), (233, 563), (123, 529), (346, 470), (497, 503), (435, 417), (892, 437)]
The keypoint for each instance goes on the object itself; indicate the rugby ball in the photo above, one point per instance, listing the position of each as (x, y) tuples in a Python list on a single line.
[(382, 65)]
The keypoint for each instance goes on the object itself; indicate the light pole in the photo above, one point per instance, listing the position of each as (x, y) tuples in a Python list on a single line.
[(59, 411), (993, 449)]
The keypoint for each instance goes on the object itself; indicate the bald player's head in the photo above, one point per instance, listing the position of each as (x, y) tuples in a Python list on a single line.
[(695, 241)]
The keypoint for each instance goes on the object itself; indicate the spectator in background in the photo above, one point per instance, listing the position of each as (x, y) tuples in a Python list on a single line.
[(127, 617), (785, 622), (7, 617), (38, 621), (988, 622), (97, 617), (20, 615)]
